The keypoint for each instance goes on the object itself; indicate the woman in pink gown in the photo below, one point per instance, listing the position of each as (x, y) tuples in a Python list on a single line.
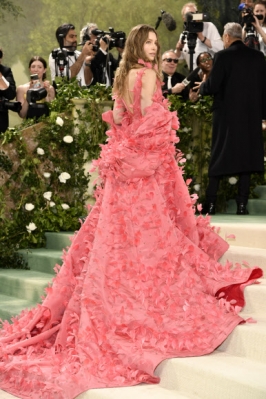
[(141, 280)]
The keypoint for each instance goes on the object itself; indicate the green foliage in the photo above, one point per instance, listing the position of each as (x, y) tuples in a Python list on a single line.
[(8, 7), (45, 187)]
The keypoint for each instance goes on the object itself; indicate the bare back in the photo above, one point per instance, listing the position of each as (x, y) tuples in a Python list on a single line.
[(148, 89)]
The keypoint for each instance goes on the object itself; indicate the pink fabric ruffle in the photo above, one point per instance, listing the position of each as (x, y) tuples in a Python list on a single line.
[(141, 281)]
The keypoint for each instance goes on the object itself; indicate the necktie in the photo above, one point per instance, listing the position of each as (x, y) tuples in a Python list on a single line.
[(169, 83)]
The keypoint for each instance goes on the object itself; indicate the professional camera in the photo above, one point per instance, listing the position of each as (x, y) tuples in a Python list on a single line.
[(117, 39), (36, 110), (86, 37), (61, 54), (251, 40), (248, 17), (6, 105), (194, 22), (34, 95)]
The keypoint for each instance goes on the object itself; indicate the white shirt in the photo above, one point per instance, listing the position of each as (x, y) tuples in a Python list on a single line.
[(71, 60), (211, 32), (6, 82), (262, 44)]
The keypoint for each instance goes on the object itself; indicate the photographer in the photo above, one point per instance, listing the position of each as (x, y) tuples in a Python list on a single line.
[(7, 92), (208, 39), (102, 63), (37, 69), (67, 61), (256, 24)]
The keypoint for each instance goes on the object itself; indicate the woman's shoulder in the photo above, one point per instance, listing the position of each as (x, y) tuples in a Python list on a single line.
[(149, 76)]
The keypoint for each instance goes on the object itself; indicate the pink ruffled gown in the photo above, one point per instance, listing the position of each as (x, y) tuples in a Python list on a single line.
[(140, 282)]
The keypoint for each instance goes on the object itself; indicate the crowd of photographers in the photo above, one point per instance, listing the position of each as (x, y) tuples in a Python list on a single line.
[(94, 63)]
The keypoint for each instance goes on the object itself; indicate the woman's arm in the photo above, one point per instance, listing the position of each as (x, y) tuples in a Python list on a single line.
[(148, 89), (21, 91), (259, 29), (118, 111)]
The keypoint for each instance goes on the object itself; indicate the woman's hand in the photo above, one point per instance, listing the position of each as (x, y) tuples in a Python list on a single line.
[(256, 24), (50, 90), (193, 95)]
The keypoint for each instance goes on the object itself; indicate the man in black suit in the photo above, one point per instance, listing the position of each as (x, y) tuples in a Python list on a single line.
[(172, 80), (7, 92), (238, 83)]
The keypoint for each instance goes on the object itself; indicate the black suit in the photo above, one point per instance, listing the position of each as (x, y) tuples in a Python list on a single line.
[(102, 64), (9, 94), (176, 78), (238, 83)]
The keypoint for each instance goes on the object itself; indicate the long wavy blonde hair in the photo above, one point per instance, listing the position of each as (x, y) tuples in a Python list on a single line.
[(133, 51)]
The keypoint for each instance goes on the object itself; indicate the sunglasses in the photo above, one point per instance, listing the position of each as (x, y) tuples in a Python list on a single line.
[(171, 60), (204, 60)]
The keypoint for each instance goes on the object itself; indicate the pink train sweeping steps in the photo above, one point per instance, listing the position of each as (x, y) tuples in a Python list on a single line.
[(140, 282)]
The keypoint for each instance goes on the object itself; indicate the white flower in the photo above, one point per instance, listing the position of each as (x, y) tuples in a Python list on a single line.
[(186, 129), (29, 207), (64, 177), (52, 204), (40, 151), (47, 195), (189, 156), (232, 180), (31, 227), (59, 121), (68, 139), (264, 159), (47, 175), (196, 187), (65, 206)]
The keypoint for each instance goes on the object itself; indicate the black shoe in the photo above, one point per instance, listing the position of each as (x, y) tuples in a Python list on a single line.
[(208, 209), (242, 209)]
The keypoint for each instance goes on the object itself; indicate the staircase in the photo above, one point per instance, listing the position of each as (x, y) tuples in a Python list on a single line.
[(256, 206), (20, 289), (236, 370)]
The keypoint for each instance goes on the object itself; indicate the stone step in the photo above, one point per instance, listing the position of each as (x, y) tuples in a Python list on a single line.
[(253, 256), (247, 340), (58, 240), (216, 376), (11, 306), (142, 391), (256, 206), (255, 296), (246, 234), (6, 395), (42, 259), (24, 284), (260, 191)]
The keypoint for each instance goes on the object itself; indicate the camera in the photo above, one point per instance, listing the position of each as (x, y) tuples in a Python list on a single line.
[(36, 110), (194, 22), (117, 39), (87, 38), (6, 105), (34, 95), (61, 54), (248, 17)]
